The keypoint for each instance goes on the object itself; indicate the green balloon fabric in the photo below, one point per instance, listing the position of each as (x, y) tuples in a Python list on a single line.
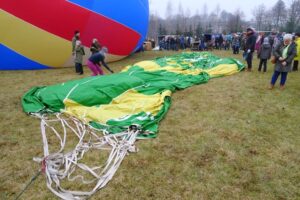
[(151, 82)]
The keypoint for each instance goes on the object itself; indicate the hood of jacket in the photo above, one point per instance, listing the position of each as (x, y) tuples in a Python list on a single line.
[(266, 46)]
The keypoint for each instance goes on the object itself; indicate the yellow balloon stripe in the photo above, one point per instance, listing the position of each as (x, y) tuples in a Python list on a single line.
[(223, 70), (129, 103), (33, 42), (151, 66), (220, 70)]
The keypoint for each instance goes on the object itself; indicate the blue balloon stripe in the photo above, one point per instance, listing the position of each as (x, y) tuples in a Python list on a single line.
[(11, 60)]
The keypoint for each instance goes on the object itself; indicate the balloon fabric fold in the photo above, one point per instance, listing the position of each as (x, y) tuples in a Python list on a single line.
[(138, 95)]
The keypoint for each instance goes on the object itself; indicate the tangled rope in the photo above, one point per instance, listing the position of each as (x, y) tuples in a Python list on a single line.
[(60, 165)]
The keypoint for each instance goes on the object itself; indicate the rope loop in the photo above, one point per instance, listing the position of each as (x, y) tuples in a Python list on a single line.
[(59, 165)]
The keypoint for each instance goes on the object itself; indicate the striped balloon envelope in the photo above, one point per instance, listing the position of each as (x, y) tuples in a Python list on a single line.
[(37, 34)]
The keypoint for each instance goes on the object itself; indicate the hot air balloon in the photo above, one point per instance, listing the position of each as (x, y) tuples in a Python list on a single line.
[(37, 34)]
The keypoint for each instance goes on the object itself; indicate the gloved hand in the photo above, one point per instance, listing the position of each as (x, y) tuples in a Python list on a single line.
[(248, 51)]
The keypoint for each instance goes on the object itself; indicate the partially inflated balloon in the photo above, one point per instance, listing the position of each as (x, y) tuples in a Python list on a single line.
[(37, 34)]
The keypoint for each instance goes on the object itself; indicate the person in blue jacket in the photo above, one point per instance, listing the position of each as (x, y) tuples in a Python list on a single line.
[(96, 60)]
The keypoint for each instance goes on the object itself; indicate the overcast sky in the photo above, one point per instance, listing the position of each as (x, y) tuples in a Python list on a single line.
[(247, 6)]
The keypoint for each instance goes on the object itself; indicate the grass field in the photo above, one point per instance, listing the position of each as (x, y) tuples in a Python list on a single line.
[(231, 138)]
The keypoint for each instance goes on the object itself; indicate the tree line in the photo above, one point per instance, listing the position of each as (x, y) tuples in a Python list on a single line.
[(279, 17)]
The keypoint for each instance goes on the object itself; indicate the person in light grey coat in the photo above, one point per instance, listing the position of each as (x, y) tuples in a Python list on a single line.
[(284, 54), (79, 53), (264, 54)]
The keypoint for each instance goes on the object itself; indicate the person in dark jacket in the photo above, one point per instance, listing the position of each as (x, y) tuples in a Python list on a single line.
[(264, 54), (250, 47), (221, 41), (284, 54), (95, 46), (95, 61)]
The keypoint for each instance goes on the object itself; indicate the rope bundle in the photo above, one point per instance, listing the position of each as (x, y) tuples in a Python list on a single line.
[(60, 165)]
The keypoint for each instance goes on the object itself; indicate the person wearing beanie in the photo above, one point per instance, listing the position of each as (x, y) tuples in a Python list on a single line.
[(259, 41), (284, 54), (264, 54), (95, 61), (95, 46), (297, 58), (250, 47)]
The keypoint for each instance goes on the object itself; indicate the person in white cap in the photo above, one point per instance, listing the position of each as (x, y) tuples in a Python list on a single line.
[(284, 54), (79, 53)]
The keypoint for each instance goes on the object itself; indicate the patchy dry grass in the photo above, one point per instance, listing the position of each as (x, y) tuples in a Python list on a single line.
[(228, 139)]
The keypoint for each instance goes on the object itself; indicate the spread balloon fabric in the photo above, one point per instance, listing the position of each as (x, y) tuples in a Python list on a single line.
[(139, 95)]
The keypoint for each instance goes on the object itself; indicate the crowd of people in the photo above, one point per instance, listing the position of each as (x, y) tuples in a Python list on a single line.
[(96, 59), (281, 48), (201, 43)]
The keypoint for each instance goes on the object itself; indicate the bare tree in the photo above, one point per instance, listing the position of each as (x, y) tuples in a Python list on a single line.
[(169, 15), (268, 22), (197, 13), (153, 26), (280, 16), (279, 12), (259, 14), (204, 10), (205, 16), (180, 20), (293, 23), (187, 22), (169, 10), (224, 21), (218, 10), (236, 21)]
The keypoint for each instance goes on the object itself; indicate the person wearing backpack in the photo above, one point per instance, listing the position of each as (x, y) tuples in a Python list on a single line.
[(264, 54)]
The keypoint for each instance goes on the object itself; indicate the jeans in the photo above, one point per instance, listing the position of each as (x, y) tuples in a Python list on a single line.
[(295, 66), (249, 60), (263, 62), (235, 49), (276, 75), (78, 68)]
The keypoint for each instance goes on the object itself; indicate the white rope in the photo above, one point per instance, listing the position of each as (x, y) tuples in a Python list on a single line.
[(59, 166)]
